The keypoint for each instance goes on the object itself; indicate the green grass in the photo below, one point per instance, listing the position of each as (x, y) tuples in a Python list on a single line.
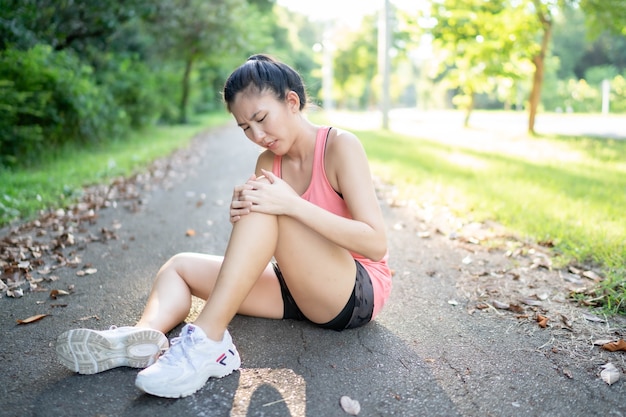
[(59, 180), (576, 204)]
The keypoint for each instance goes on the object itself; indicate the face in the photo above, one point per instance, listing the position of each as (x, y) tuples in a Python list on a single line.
[(266, 120)]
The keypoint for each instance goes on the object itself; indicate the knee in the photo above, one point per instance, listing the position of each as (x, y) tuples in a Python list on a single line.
[(175, 264)]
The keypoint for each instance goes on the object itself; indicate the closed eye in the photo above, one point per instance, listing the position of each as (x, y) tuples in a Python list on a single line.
[(261, 120)]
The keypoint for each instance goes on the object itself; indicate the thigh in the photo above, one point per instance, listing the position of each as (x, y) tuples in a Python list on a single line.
[(199, 271), (319, 274)]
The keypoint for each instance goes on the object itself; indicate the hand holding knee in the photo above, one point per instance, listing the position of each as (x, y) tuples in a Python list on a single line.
[(238, 206), (269, 194)]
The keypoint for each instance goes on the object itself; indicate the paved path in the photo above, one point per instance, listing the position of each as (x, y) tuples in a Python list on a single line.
[(423, 356)]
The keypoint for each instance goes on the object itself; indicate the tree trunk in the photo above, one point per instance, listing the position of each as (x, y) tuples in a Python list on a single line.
[(185, 96), (539, 61), (468, 110)]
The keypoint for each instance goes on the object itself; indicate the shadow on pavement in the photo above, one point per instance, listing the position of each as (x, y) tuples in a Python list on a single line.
[(289, 369)]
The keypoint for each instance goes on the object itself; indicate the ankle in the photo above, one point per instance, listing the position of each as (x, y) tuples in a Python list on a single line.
[(211, 332)]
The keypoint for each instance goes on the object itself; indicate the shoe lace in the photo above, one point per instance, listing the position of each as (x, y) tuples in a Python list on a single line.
[(179, 349)]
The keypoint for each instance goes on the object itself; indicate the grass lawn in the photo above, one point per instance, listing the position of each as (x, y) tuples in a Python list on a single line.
[(565, 192)]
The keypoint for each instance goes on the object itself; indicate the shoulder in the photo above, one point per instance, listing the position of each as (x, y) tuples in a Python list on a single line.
[(341, 141), (265, 161), (345, 160)]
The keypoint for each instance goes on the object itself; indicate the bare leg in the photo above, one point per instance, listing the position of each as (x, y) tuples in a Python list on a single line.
[(250, 248), (187, 274), (320, 276)]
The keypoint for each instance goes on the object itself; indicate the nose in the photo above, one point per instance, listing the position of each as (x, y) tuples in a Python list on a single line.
[(257, 134)]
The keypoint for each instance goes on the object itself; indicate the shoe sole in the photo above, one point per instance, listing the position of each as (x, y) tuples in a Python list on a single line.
[(88, 351), (184, 390)]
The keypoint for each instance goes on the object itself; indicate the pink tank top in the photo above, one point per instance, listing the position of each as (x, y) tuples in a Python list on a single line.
[(322, 194)]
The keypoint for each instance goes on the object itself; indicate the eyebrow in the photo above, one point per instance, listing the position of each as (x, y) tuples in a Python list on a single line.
[(252, 117)]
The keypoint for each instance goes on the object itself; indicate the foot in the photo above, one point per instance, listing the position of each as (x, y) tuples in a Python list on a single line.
[(89, 351), (190, 361)]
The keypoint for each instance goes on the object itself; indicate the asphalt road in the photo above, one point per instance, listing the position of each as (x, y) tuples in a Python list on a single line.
[(423, 356)]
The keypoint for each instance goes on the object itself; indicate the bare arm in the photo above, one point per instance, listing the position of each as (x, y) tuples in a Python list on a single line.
[(348, 170)]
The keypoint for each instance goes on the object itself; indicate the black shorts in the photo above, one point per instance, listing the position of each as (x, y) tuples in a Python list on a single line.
[(357, 311)]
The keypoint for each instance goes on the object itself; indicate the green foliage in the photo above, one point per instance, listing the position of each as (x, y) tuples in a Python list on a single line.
[(484, 45), (569, 40), (605, 15), (65, 24), (356, 65), (134, 87), (618, 94), (84, 72), (49, 99), (293, 39), (585, 95)]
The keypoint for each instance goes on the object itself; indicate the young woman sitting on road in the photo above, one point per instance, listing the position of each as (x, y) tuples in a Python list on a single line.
[(310, 205)]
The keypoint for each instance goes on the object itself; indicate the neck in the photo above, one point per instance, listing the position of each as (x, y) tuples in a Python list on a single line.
[(304, 143)]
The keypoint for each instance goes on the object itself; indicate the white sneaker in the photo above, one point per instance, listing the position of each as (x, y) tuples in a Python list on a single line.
[(190, 361), (89, 351)]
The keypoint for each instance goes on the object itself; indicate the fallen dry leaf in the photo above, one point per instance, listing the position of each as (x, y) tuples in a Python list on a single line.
[(190, 232), (56, 293), (31, 319), (601, 342), (500, 305), (16, 293), (542, 321), (610, 374), (89, 318), (592, 276), (531, 302), (88, 271), (350, 406), (615, 346), (591, 317)]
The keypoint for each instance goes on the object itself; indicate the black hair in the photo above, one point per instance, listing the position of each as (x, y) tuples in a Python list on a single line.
[(262, 72)]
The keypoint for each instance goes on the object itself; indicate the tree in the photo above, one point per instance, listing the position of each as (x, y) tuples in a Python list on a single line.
[(601, 15), (65, 24), (484, 43), (544, 11), (191, 31)]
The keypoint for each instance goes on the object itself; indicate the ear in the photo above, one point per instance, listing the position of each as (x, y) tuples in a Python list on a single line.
[(293, 101)]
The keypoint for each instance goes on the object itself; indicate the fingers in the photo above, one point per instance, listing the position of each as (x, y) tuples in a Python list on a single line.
[(269, 175), (237, 212), (238, 206)]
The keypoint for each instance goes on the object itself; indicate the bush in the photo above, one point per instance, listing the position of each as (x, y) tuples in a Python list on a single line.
[(47, 100), (134, 87)]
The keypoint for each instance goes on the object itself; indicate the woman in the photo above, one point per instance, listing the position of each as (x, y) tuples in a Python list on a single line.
[(310, 205)]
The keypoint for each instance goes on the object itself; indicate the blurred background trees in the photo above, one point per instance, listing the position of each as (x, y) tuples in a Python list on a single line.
[(84, 72)]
